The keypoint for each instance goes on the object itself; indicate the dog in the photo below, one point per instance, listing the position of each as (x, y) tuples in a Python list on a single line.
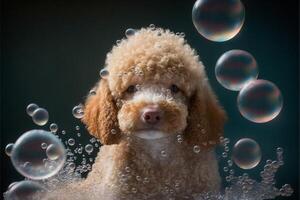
[(158, 120)]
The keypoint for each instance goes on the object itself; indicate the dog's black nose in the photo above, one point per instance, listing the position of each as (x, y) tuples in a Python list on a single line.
[(151, 115)]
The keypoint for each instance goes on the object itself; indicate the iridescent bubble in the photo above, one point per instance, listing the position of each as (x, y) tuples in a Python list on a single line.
[(246, 153), (25, 190), (8, 149), (53, 152), (129, 32), (53, 127), (260, 101), (104, 73), (78, 111), (217, 20), (89, 148), (236, 68), (40, 116), (31, 108), (29, 158)]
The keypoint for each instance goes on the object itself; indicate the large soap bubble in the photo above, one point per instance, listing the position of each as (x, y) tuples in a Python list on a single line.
[(246, 153), (236, 68), (25, 190), (218, 20), (260, 101), (32, 161)]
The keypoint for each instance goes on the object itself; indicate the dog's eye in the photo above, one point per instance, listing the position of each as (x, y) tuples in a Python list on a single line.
[(131, 89), (174, 89)]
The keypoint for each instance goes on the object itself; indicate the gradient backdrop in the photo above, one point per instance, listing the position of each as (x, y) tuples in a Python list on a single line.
[(52, 52)]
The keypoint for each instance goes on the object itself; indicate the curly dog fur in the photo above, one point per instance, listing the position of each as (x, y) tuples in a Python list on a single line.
[(131, 167)]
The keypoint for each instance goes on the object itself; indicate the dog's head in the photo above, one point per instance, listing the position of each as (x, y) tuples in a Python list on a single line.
[(156, 87)]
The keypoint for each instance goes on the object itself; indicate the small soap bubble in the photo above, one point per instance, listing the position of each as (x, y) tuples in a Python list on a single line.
[(40, 116), (28, 157), (25, 190), (217, 20), (163, 153), (104, 73), (152, 26), (260, 101), (53, 127), (31, 108), (129, 32), (78, 111), (71, 142), (44, 145), (63, 132), (77, 128), (89, 148), (8, 149), (235, 69), (113, 131), (246, 153), (78, 134), (53, 152), (196, 149), (279, 150)]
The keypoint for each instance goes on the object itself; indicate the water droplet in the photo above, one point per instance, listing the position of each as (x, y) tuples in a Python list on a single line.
[(31, 108), (218, 21), (235, 69), (260, 101), (246, 153), (40, 116)]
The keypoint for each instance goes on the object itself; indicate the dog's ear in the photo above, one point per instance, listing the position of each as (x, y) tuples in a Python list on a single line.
[(206, 118), (100, 115)]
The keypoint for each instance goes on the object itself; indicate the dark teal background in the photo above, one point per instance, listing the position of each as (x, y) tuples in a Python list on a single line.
[(52, 51)]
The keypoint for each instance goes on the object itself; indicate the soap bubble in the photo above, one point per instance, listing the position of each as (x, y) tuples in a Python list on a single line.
[(104, 73), (25, 190), (30, 159), (31, 108), (53, 127), (217, 20), (89, 148), (260, 101), (246, 153), (8, 149), (40, 116), (78, 111), (71, 141), (53, 152), (236, 68), (196, 149), (129, 32)]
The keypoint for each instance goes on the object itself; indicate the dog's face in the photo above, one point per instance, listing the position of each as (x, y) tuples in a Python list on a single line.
[(156, 87), (153, 109)]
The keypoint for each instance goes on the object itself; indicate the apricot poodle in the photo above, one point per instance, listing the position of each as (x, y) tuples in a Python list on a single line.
[(158, 121)]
